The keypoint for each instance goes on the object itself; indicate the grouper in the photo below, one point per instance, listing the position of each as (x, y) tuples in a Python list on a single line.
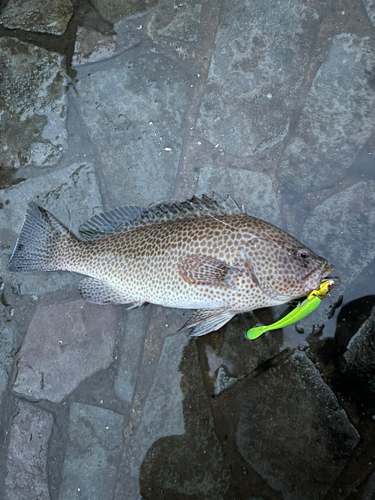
[(204, 253)]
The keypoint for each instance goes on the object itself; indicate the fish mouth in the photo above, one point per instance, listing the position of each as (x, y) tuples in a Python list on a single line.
[(335, 281), (316, 277)]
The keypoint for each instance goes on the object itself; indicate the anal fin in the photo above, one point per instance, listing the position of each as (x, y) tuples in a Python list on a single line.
[(102, 292), (208, 320)]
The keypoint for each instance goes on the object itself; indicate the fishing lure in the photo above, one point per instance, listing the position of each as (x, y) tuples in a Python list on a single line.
[(304, 309)]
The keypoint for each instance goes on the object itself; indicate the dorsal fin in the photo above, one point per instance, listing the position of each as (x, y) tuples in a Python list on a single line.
[(109, 222), (130, 217)]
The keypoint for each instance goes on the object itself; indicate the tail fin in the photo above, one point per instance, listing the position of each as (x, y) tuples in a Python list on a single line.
[(39, 244)]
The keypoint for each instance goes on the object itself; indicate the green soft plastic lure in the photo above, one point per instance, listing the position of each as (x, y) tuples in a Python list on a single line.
[(309, 305)]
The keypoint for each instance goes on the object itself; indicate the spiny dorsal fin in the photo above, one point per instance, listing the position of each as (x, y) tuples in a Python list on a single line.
[(123, 218)]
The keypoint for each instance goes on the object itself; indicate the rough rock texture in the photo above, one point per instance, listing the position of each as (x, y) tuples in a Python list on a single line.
[(27, 456), (337, 120), (6, 353), (37, 15), (257, 68), (93, 453), (360, 353), (32, 105), (181, 23), (71, 194), (133, 124), (64, 344), (92, 46), (254, 189), (132, 340), (290, 422), (370, 9)]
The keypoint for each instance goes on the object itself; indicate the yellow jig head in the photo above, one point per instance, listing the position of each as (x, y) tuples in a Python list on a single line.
[(305, 308)]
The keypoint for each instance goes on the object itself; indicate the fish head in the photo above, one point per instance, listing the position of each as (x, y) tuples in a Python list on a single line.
[(284, 268), (300, 271)]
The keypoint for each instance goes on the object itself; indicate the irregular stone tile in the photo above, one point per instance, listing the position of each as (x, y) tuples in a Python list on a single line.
[(93, 452), (137, 127), (254, 189), (113, 10), (182, 22), (337, 119), (340, 229), (192, 463), (27, 456), (370, 9), (92, 46), (6, 354), (130, 352), (291, 429), (162, 413), (71, 194), (257, 68), (64, 344), (33, 105), (360, 354), (37, 16)]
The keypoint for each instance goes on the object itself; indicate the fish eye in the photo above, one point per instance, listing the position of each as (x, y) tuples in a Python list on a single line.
[(304, 254)]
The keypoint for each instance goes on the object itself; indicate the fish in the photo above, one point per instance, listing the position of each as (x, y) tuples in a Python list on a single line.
[(205, 254)]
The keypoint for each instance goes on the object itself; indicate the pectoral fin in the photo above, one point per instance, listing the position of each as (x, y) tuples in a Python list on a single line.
[(207, 320), (102, 292), (198, 269)]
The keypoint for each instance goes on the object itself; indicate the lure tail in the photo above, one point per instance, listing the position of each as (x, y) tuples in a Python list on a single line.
[(40, 242)]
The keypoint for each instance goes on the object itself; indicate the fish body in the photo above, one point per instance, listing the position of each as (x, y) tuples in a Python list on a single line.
[(205, 254)]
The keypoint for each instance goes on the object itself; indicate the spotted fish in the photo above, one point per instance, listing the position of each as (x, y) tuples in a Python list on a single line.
[(205, 254)]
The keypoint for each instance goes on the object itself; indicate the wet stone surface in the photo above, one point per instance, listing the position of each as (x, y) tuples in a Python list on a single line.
[(315, 436), (271, 102), (229, 361), (359, 356), (193, 463), (338, 117), (33, 105)]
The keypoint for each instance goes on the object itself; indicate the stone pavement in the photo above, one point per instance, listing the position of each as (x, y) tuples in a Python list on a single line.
[(117, 102)]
